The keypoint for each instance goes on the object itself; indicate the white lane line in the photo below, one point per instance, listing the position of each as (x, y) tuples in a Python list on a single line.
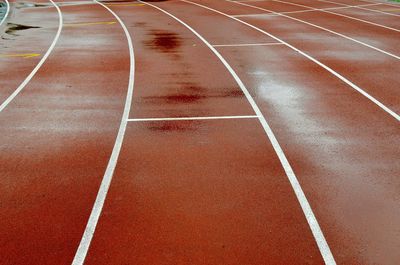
[(195, 118), (341, 15), (322, 28), (41, 62), (363, 7), (382, 3), (301, 11), (83, 248), (248, 44), (312, 221), (7, 12), (330, 70)]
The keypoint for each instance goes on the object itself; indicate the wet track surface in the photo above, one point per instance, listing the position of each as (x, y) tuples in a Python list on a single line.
[(200, 132)]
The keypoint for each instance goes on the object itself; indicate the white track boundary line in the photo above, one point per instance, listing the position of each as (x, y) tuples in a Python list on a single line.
[(363, 7), (195, 118), (248, 44), (303, 11), (330, 70), (338, 14), (312, 221), (41, 62), (7, 12), (83, 248), (322, 28)]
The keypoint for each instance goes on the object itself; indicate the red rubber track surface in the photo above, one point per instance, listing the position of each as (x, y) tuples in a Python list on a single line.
[(17, 41), (200, 191), (56, 138)]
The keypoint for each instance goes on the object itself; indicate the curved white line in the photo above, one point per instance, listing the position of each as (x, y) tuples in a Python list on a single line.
[(338, 14), (7, 12), (362, 7), (319, 27), (41, 62), (345, 80), (312, 221), (83, 248)]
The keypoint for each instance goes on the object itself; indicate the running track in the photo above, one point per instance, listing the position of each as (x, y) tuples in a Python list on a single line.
[(200, 132)]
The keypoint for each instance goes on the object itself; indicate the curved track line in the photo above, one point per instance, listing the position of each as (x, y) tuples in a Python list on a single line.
[(312, 221), (345, 80), (7, 12), (83, 248), (338, 14), (319, 27), (362, 7), (41, 62)]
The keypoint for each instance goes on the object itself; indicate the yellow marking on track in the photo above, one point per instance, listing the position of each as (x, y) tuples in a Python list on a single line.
[(22, 55), (90, 24), (125, 4)]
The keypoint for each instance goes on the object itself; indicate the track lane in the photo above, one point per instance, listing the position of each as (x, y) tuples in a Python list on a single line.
[(18, 45), (339, 28), (176, 163), (363, 16), (57, 137), (328, 132), (334, 55)]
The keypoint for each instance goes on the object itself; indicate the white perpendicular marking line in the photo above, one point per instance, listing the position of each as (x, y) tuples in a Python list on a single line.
[(338, 14), (322, 28), (83, 248), (7, 12), (195, 118), (363, 7), (312, 221), (247, 44), (333, 72), (41, 62)]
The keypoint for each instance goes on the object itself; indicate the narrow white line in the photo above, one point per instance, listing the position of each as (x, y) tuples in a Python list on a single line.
[(300, 11), (41, 62), (247, 44), (195, 118), (330, 70), (322, 28), (83, 248), (338, 14), (251, 15), (363, 7), (312, 221), (7, 12), (382, 3)]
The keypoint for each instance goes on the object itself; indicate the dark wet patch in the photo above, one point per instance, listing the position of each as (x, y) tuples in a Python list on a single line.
[(164, 41), (140, 24), (21, 5), (13, 28), (191, 95), (172, 126)]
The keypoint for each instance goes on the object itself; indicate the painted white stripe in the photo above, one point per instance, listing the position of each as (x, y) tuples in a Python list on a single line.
[(312, 221), (195, 118), (247, 44), (301, 11), (338, 14), (41, 62), (322, 28), (83, 248), (382, 3), (363, 8), (7, 12), (330, 70)]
